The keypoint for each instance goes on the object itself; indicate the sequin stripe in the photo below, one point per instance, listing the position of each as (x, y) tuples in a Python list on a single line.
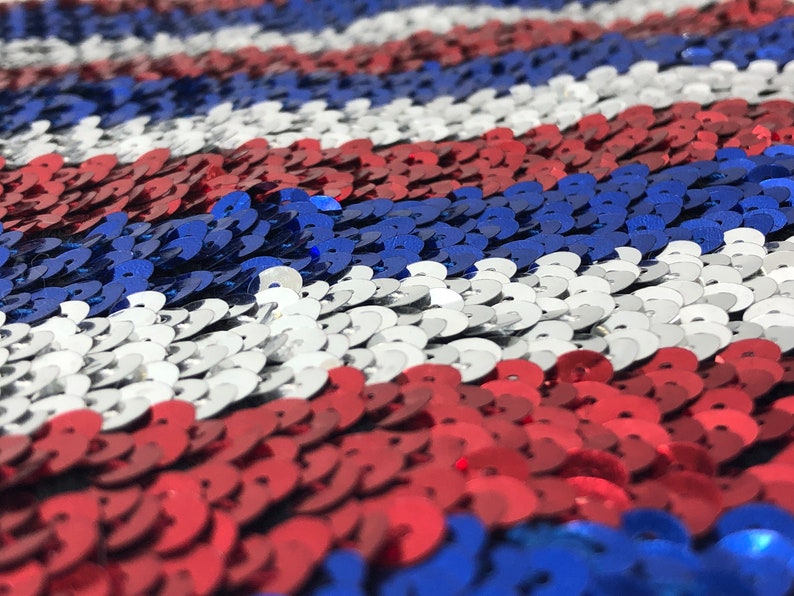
[(600, 555), (447, 48), (65, 103), (112, 7), (561, 103), (42, 53), (562, 502), (357, 170), (498, 218), (555, 299), (80, 23)]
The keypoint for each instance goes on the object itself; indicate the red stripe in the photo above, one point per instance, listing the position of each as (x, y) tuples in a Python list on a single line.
[(45, 195), (453, 47)]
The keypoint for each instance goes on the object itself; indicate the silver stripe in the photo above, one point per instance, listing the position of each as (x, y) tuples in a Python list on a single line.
[(683, 300)]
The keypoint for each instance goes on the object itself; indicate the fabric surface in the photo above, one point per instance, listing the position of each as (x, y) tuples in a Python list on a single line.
[(397, 297)]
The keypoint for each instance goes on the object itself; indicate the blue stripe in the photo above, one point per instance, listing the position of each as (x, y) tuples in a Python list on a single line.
[(76, 24), (651, 552), (222, 252), (68, 100)]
